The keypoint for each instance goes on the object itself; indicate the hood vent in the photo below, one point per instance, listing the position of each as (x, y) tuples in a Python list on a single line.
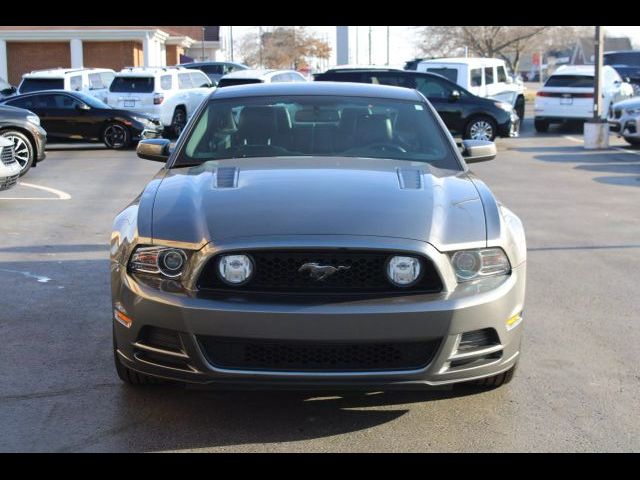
[(410, 178), (226, 177)]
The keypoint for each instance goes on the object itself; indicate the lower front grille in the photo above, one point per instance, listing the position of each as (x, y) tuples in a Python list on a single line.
[(304, 356), (8, 182)]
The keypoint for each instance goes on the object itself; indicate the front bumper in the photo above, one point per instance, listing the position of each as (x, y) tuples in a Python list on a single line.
[(625, 126), (511, 127), (443, 317)]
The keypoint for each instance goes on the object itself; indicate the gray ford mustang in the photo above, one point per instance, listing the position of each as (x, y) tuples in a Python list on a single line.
[(317, 234)]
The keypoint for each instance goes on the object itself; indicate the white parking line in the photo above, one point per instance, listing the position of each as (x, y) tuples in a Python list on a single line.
[(573, 139), (60, 195), (622, 149)]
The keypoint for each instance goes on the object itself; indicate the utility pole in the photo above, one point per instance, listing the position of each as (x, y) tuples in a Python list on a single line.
[(597, 99), (203, 44), (357, 35), (369, 44), (231, 42), (596, 131), (387, 45), (260, 44)]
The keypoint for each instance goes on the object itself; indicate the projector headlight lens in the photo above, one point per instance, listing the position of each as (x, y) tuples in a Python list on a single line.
[(235, 269), (167, 261), (472, 264), (403, 271)]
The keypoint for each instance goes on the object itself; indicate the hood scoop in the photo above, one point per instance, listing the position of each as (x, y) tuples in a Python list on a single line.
[(409, 178), (226, 177)]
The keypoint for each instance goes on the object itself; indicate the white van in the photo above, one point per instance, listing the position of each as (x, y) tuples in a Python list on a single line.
[(92, 81), (485, 77), (170, 94)]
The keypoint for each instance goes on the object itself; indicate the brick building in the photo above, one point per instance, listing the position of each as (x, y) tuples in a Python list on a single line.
[(26, 48)]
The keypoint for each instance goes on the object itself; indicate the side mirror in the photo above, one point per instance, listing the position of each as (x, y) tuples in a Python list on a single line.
[(454, 96), (154, 149), (9, 91), (83, 107), (475, 151)]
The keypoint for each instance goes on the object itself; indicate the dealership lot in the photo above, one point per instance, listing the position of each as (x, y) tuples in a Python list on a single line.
[(579, 373)]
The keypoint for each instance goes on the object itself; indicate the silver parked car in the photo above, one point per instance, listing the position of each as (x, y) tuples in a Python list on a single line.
[(624, 119), (317, 234)]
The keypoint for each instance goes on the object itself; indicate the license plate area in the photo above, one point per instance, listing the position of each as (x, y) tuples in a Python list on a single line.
[(566, 101), (129, 103)]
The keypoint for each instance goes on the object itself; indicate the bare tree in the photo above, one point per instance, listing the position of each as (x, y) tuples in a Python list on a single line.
[(283, 47), (507, 42)]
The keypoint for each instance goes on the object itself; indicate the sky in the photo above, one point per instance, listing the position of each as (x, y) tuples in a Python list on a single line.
[(401, 41)]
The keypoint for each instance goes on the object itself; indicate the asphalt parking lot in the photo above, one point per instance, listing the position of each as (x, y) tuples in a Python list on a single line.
[(577, 387)]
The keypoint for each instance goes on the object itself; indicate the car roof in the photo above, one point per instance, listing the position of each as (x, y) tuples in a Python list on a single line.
[(256, 73), (149, 71), (349, 68), (61, 72), (193, 64), (466, 61), (585, 70), (316, 88), (49, 91)]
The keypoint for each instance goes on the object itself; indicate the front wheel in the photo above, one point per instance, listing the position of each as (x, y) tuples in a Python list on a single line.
[(520, 108), (22, 148), (481, 128), (116, 136)]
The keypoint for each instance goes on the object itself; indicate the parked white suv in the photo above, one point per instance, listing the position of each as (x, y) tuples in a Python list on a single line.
[(568, 95), (9, 167), (170, 94), (92, 81), (484, 77)]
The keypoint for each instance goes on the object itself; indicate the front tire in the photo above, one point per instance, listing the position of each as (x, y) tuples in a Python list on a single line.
[(541, 126), (129, 376), (116, 136), (23, 148), (632, 141), (481, 128), (520, 108)]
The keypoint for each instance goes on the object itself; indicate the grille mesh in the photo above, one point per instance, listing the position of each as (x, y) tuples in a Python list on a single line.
[(314, 356), (7, 156), (278, 271)]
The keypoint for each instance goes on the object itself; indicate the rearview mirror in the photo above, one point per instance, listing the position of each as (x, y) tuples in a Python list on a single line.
[(475, 151), (155, 149)]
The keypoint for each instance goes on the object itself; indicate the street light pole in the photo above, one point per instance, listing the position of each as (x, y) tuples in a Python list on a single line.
[(369, 44), (387, 45), (203, 44), (231, 42), (596, 131), (597, 99)]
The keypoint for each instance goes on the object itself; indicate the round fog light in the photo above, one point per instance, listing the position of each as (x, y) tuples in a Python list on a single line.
[(403, 271), (235, 269), (171, 262)]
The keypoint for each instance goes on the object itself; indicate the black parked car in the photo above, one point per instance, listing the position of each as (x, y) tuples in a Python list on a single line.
[(23, 128), (627, 64), (77, 116), (463, 113)]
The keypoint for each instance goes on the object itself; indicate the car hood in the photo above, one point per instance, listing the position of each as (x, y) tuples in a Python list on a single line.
[(630, 103), (222, 200)]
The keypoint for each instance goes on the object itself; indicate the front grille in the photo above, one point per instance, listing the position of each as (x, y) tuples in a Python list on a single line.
[(316, 356), (7, 156), (277, 271), (160, 338), (8, 182)]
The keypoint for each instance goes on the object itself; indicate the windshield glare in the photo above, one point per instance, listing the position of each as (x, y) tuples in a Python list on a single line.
[(318, 126)]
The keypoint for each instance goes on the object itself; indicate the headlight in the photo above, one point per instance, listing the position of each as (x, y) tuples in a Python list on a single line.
[(504, 106), (142, 120), (167, 261), (33, 119), (632, 111), (472, 264), (403, 271), (235, 269)]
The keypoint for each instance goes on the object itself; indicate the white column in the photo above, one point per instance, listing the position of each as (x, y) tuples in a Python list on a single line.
[(146, 47), (4, 69), (77, 60)]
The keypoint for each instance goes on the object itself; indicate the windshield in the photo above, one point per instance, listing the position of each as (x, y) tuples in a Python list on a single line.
[(132, 84), (622, 58), (37, 84), (574, 81), (92, 101), (318, 126)]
